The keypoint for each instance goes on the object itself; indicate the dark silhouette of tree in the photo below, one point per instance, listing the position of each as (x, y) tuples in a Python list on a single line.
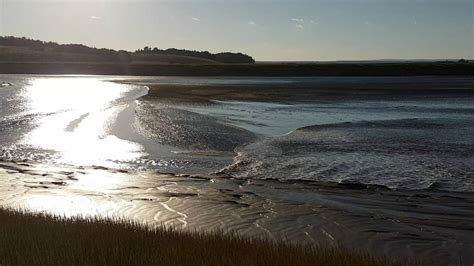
[(233, 58), (51, 51), (51, 48)]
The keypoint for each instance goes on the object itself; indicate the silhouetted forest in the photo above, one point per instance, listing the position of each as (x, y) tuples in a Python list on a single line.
[(14, 49), (231, 58), (26, 56)]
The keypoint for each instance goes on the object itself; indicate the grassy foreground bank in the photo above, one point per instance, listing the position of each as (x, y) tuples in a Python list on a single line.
[(35, 239)]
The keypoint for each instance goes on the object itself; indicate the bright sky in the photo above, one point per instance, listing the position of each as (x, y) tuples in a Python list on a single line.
[(266, 29)]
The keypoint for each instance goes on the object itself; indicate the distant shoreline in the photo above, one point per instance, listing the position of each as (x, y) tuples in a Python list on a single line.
[(259, 69)]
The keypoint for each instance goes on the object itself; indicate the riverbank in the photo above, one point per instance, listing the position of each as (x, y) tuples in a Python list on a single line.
[(325, 89), (259, 69), (360, 218), (370, 176), (39, 239)]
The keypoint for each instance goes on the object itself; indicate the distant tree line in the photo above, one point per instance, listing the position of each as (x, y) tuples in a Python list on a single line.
[(63, 52), (232, 58), (52, 47)]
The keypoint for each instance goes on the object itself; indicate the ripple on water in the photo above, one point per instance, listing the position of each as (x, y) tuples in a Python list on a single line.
[(403, 154)]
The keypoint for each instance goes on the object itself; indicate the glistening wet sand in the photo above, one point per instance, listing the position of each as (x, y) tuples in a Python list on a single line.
[(332, 161), (361, 217)]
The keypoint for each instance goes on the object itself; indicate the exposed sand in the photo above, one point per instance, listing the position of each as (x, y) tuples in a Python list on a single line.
[(427, 223), (188, 130), (360, 217), (323, 90)]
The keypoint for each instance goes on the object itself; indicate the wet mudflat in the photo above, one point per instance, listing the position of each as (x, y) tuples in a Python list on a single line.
[(386, 171)]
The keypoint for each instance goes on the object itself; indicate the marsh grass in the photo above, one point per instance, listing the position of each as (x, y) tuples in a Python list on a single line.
[(40, 239)]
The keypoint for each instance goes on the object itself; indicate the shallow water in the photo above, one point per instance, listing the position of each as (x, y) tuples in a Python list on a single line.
[(401, 144), (391, 174), (413, 142), (63, 119)]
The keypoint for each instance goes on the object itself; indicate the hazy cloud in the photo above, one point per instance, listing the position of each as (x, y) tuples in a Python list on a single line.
[(313, 22), (195, 19), (299, 26), (252, 23), (298, 20), (95, 17)]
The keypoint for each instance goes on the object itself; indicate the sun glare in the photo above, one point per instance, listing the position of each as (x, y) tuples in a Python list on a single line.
[(79, 132)]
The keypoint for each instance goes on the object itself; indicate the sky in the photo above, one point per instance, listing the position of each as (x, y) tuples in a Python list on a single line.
[(268, 30)]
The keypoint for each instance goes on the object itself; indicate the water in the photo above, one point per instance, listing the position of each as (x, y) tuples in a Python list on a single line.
[(391, 174), (402, 143), (65, 120)]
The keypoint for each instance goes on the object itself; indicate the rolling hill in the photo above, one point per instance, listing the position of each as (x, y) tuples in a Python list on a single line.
[(13, 49)]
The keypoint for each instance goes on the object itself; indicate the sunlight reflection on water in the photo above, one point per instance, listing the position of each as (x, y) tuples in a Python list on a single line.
[(79, 114)]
